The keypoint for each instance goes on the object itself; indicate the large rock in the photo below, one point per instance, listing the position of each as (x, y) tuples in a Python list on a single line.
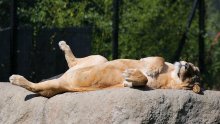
[(118, 106)]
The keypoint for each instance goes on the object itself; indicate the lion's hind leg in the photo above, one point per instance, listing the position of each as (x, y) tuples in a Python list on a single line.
[(47, 88), (70, 58), (21, 81), (134, 77)]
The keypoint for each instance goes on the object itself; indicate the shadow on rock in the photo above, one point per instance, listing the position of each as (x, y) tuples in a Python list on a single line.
[(142, 88), (30, 96)]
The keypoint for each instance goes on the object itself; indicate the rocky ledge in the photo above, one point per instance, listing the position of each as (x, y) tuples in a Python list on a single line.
[(118, 106)]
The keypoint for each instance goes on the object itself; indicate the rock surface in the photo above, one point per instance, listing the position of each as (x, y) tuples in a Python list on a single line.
[(117, 106)]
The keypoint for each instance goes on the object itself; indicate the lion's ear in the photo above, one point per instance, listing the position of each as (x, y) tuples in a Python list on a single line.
[(196, 69)]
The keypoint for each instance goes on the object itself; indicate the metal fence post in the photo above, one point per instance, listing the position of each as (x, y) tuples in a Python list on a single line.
[(115, 27), (13, 37)]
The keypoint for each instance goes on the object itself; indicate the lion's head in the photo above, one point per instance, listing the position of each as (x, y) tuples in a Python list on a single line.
[(189, 75)]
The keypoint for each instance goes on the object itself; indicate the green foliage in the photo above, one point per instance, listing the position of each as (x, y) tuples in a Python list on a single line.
[(66, 13), (146, 27), (151, 28), (213, 49)]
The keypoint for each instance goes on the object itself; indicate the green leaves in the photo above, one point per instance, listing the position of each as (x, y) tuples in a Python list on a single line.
[(145, 26)]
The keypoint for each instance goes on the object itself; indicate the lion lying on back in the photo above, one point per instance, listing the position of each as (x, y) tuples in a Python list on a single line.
[(95, 73)]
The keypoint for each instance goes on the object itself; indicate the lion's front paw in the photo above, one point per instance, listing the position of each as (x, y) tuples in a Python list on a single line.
[(63, 46), (153, 71), (18, 80), (129, 74), (135, 76)]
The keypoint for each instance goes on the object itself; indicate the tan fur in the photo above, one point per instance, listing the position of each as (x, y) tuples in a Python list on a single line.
[(95, 73)]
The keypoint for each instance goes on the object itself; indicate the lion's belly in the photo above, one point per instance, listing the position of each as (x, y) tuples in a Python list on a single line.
[(97, 77), (100, 76), (78, 77), (107, 77)]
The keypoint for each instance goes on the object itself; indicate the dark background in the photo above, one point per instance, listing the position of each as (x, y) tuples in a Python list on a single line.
[(35, 57)]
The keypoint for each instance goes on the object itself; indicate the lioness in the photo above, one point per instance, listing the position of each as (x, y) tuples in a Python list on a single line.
[(95, 73)]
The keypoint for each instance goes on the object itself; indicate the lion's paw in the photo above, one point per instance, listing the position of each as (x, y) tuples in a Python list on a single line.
[(135, 76), (63, 46), (127, 74), (18, 80), (132, 75), (127, 84), (153, 71)]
